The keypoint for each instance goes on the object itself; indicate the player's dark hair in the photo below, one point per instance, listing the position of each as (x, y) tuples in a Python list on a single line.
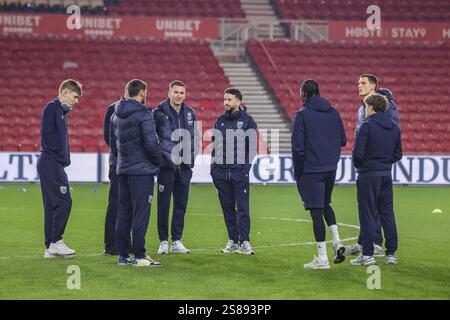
[(135, 86), (378, 102), (235, 92), (309, 88), (177, 83), (372, 79), (386, 92)]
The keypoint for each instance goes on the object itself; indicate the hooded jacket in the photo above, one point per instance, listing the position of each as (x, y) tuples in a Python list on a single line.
[(377, 146), (392, 109), (106, 125), (167, 121), (133, 139), (54, 134), (317, 137), (244, 145)]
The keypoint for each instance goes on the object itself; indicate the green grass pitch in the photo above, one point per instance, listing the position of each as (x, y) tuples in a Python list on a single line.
[(281, 239)]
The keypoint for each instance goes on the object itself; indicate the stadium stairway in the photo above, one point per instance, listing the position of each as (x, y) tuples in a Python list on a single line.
[(261, 11), (260, 104)]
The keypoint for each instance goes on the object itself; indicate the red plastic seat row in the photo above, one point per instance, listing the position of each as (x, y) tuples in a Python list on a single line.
[(295, 62)]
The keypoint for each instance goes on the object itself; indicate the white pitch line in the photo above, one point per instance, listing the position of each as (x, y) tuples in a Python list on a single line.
[(298, 244)]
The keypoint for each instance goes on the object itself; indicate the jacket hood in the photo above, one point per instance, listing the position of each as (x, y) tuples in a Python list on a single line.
[(383, 119), (125, 107), (234, 116), (318, 104), (386, 92)]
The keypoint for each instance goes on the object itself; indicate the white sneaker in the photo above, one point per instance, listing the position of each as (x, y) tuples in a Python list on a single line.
[(246, 249), (353, 249), (363, 261), (163, 247), (60, 248), (231, 247), (391, 259), (178, 247), (48, 255), (146, 262), (378, 251), (317, 263)]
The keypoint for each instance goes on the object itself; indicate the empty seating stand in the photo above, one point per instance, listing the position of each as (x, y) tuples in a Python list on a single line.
[(173, 8), (392, 10), (418, 76)]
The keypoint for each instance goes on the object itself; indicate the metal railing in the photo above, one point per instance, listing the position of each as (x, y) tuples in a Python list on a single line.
[(235, 32)]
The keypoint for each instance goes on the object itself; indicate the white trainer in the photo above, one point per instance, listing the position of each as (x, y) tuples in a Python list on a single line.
[(146, 262), (48, 255), (353, 249), (231, 247), (378, 251), (391, 259), (363, 261), (60, 248), (178, 247), (163, 247), (317, 263), (246, 248)]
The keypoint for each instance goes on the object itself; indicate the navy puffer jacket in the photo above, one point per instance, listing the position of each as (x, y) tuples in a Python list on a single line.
[(133, 139)]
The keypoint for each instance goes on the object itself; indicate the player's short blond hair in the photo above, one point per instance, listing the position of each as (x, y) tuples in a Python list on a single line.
[(71, 85)]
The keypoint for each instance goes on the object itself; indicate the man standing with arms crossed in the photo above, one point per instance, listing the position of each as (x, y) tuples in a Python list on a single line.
[(55, 156), (134, 142), (176, 128)]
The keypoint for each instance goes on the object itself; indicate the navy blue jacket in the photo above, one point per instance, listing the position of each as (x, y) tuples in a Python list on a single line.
[(377, 146), (392, 109), (106, 126), (246, 144), (54, 134), (133, 139), (167, 121), (317, 137)]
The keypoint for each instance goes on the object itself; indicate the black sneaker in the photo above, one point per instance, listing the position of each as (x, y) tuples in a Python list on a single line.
[(339, 254)]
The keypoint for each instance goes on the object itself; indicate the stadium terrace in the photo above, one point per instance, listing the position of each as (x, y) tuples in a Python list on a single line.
[(178, 25)]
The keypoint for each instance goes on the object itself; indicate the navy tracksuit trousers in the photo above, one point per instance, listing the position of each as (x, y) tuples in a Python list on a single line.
[(174, 182), (378, 239), (111, 211), (56, 197), (135, 199), (375, 201), (234, 197)]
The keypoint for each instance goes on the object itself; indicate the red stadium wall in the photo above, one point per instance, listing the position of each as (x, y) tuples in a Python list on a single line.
[(111, 26)]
